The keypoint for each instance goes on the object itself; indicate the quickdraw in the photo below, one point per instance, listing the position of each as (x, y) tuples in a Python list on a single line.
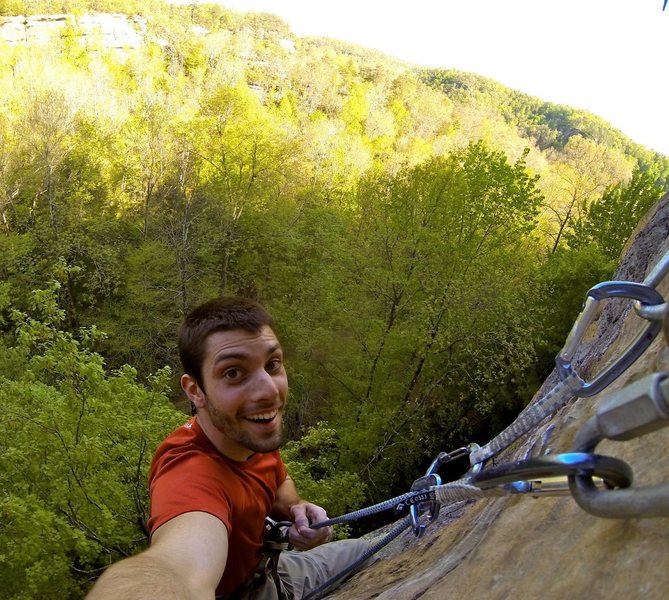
[(601, 485), (430, 479)]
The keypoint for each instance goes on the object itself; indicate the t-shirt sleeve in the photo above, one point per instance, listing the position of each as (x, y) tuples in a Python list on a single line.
[(184, 485), (281, 472)]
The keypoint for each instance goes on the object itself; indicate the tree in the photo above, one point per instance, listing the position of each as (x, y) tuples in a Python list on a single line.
[(608, 222), (47, 131), (248, 164), (405, 297), (149, 151), (581, 172), (10, 182), (77, 442)]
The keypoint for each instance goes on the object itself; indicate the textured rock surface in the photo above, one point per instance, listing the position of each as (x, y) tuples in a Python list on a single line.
[(106, 30), (520, 547)]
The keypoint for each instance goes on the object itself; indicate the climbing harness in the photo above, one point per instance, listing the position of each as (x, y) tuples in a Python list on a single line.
[(601, 485), (275, 540)]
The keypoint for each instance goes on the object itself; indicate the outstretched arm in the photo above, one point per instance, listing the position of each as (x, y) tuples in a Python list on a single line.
[(185, 561), (289, 505)]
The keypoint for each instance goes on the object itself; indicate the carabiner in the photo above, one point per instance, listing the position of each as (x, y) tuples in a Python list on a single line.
[(608, 289), (428, 480), (546, 486), (654, 312), (614, 472), (658, 272), (633, 411)]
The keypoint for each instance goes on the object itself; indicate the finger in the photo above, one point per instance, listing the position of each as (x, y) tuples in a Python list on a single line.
[(300, 519), (324, 534), (316, 514)]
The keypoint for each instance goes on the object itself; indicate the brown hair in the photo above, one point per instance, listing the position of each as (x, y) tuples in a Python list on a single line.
[(220, 314)]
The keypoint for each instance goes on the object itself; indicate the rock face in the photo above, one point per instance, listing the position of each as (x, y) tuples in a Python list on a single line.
[(522, 547), (112, 31)]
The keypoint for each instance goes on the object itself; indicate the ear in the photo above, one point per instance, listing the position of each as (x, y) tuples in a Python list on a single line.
[(193, 390)]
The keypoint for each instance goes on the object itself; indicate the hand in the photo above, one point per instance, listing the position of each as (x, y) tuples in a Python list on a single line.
[(300, 534)]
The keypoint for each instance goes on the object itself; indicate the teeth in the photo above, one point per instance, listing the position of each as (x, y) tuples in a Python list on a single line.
[(263, 416)]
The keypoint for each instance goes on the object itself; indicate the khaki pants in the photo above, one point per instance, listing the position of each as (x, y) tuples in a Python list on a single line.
[(302, 572)]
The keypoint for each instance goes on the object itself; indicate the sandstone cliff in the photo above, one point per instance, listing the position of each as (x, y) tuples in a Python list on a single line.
[(521, 547), (111, 31)]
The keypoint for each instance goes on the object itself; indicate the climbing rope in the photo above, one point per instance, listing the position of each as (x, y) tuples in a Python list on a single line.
[(323, 589), (548, 405)]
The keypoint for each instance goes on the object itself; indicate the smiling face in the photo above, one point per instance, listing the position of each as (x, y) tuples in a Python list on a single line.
[(240, 405)]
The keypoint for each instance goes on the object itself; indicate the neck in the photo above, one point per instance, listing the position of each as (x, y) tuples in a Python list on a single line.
[(227, 447)]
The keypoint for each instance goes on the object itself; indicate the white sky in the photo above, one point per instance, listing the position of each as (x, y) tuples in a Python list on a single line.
[(610, 57)]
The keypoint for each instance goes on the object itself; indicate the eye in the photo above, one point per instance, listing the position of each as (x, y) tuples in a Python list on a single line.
[(233, 374), (274, 365)]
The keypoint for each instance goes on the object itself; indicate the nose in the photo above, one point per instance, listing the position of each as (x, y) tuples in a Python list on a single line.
[(265, 387)]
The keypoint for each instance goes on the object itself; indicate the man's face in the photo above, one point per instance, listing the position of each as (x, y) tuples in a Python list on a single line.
[(245, 387)]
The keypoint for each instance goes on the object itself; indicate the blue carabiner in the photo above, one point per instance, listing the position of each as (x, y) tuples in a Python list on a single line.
[(615, 472), (608, 289)]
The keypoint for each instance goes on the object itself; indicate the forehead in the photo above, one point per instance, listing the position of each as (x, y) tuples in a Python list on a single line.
[(240, 343)]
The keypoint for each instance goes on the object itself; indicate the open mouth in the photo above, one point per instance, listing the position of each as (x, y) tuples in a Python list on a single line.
[(263, 417)]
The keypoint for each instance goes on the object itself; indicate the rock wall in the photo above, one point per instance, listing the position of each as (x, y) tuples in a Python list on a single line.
[(113, 31), (522, 547)]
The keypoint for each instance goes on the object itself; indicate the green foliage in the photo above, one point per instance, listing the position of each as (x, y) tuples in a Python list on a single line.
[(76, 446), (547, 124), (390, 323), (567, 275), (398, 224), (314, 464), (439, 237), (608, 222)]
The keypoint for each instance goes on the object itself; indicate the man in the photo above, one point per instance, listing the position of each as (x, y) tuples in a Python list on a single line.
[(215, 479)]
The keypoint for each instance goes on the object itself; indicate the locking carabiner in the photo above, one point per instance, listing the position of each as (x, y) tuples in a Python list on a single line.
[(608, 289)]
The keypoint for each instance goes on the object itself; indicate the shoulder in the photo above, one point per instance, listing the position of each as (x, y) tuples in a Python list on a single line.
[(186, 444), (267, 466), (187, 474)]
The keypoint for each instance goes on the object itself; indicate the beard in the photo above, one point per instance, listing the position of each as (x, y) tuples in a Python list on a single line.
[(254, 441)]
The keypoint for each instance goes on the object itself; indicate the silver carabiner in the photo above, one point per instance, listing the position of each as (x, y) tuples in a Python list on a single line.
[(633, 411), (657, 274), (608, 289), (655, 312), (428, 480)]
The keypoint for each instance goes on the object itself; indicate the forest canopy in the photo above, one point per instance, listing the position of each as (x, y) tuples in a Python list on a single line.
[(423, 238)]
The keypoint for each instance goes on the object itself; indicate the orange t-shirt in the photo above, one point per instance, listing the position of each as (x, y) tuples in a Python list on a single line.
[(189, 474)]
